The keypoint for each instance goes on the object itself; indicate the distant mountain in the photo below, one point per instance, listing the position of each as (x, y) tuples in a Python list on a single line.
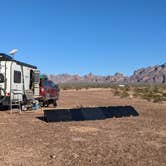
[(152, 74)]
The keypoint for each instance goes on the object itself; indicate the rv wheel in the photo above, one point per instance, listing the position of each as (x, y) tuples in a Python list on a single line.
[(2, 91)]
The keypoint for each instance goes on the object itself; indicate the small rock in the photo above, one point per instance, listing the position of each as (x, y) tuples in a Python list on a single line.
[(75, 155), (131, 96), (52, 156)]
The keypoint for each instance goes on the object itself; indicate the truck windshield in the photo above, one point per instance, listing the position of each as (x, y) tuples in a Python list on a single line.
[(51, 84), (48, 83)]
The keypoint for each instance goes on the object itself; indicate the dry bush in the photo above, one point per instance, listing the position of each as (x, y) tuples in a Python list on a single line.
[(117, 93), (152, 93)]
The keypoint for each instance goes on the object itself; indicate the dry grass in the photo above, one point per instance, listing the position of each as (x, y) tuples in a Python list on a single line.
[(81, 129), (154, 93)]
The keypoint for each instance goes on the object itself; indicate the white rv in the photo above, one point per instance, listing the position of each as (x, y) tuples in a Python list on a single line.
[(17, 80)]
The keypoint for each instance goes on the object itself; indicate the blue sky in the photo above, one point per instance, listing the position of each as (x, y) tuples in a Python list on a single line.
[(82, 36)]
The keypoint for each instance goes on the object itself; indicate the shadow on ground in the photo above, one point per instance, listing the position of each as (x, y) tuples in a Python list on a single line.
[(4, 108), (82, 114)]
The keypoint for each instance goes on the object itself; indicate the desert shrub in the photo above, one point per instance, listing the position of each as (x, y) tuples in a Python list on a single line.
[(154, 93), (157, 99), (141, 90), (146, 90), (78, 88), (65, 88), (164, 94), (115, 88), (156, 89), (127, 88), (117, 93), (124, 94), (85, 85), (147, 96), (137, 90), (135, 95)]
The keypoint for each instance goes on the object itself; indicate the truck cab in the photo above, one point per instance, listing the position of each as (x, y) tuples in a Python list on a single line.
[(49, 91)]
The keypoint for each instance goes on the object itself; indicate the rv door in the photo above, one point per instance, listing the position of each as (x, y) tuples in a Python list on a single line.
[(16, 82)]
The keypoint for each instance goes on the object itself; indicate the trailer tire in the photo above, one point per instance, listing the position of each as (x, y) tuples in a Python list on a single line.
[(25, 100), (55, 103), (4, 97)]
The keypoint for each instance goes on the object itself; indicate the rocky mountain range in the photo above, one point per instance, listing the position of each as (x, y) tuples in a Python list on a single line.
[(152, 74)]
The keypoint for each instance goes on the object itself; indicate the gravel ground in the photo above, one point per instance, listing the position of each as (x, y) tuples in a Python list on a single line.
[(27, 140)]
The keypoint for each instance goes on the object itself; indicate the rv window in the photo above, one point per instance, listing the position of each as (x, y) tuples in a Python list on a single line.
[(36, 77), (17, 77), (2, 79)]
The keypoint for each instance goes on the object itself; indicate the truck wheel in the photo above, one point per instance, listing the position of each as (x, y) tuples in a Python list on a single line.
[(41, 104), (55, 103), (46, 103)]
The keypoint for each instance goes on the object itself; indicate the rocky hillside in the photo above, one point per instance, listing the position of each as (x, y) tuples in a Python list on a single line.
[(89, 78), (153, 74)]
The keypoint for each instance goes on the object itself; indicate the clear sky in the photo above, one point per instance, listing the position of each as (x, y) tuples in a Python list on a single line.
[(82, 36)]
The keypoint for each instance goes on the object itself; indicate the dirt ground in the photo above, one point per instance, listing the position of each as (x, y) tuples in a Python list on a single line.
[(26, 140)]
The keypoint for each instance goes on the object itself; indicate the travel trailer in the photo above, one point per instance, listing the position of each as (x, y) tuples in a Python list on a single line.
[(19, 82)]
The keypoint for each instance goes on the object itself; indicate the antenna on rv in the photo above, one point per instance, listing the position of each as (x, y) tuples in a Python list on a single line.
[(13, 52)]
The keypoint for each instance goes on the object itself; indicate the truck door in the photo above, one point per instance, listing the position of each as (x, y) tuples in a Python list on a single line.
[(17, 82)]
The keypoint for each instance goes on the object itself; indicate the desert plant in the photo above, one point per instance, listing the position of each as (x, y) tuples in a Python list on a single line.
[(157, 99), (117, 93), (124, 94)]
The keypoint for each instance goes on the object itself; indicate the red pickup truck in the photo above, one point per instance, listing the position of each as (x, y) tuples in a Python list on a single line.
[(49, 91)]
